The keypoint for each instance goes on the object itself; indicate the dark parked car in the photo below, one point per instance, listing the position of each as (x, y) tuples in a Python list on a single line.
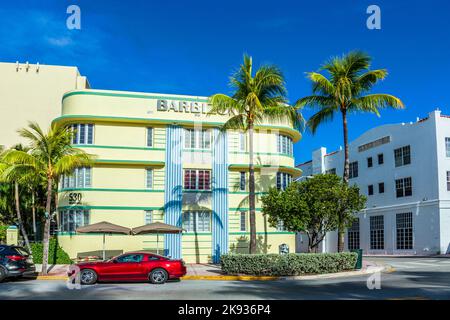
[(14, 262), (132, 266)]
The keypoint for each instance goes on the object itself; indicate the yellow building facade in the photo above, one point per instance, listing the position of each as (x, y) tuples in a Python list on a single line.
[(162, 158)]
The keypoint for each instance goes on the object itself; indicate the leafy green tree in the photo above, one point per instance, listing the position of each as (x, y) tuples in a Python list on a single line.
[(256, 97), (51, 155), (314, 206), (345, 91)]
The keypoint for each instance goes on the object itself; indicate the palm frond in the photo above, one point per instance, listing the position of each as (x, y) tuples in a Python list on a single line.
[(324, 115), (373, 102)]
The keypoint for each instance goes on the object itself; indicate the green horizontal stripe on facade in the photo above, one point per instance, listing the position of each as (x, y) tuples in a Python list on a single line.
[(264, 154), (245, 192), (110, 208), (196, 233), (110, 190), (259, 166), (116, 147), (293, 132), (132, 95), (268, 232), (139, 162)]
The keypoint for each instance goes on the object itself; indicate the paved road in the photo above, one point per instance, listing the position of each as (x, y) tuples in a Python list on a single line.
[(413, 278)]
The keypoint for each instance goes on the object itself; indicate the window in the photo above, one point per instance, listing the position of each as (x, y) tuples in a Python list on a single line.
[(370, 190), (283, 180), (197, 179), (403, 187), (447, 147), (243, 221), (380, 158), (377, 233), (150, 137), (127, 258), (242, 183), (402, 156), (284, 144), (83, 133), (149, 178), (369, 162), (404, 231), (242, 141), (70, 220), (353, 235), (197, 221), (448, 180), (381, 187), (153, 258), (374, 144), (353, 173), (148, 216), (331, 171), (80, 178), (197, 139)]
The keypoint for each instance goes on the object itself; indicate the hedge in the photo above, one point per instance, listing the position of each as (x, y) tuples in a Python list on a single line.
[(288, 264), (3, 233), (56, 254)]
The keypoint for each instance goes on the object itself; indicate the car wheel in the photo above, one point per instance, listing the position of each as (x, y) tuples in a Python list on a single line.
[(2, 274), (158, 276), (88, 276)]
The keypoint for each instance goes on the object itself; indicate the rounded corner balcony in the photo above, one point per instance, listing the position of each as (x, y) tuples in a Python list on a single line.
[(161, 157)]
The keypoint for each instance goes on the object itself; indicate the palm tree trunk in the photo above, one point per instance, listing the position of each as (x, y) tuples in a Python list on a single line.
[(19, 217), (33, 210), (252, 196), (341, 227), (48, 218)]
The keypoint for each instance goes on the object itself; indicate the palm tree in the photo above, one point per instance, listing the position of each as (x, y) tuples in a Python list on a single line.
[(50, 156), (345, 91), (16, 180), (256, 97)]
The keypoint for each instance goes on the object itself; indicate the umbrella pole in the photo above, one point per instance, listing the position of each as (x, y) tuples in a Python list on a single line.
[(104, 254), (157, 243)]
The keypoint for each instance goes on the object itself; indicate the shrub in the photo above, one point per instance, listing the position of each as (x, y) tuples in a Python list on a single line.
[(3, 233), (56, 255), (289, 264)]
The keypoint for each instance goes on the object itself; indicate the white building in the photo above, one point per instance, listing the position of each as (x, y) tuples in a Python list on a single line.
[(404, 170)]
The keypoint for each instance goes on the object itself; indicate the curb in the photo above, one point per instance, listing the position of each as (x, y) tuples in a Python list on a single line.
[(231, 278), (368, 270), (52, 278)]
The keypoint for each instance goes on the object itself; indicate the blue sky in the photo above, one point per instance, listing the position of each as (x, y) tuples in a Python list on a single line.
[(191, 47)]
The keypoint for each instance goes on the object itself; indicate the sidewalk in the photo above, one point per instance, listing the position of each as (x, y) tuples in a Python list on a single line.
[(213, 272)]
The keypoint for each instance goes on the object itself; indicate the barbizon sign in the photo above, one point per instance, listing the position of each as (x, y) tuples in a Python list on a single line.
[(182, 106)]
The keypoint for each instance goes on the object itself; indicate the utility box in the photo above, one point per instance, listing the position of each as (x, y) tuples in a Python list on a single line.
[(359, 259), (12, 236)]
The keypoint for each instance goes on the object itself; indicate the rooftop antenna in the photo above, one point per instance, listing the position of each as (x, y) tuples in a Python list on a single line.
[(27, 66), (37, 67), (17, 66)]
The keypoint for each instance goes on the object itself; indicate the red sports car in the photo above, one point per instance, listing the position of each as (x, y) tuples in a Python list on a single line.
[(132, 266)]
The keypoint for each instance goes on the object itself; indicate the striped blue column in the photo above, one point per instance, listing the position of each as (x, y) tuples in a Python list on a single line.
[(173, 195), (219, 195)]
